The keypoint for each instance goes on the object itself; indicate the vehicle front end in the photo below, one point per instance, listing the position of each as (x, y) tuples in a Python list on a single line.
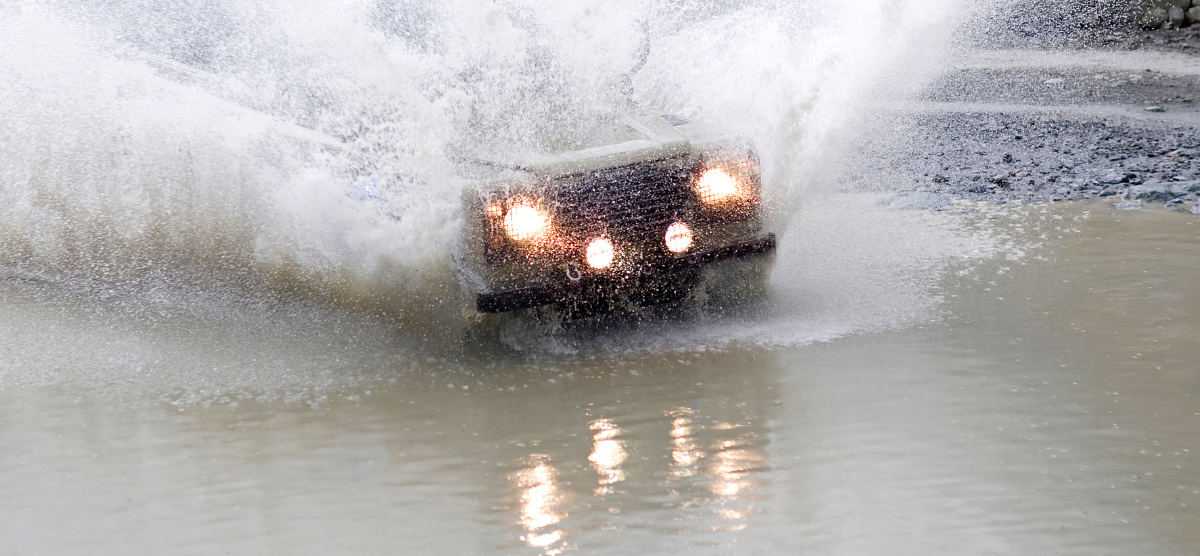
[(635, 226)]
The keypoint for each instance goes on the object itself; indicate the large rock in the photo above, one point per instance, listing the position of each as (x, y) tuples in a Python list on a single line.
[(1176, 16), (1153, 14), (1193, 15), (1154, 18), (1163, 191)]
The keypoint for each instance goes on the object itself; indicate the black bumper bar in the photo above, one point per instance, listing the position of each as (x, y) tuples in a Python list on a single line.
[(542, 294)]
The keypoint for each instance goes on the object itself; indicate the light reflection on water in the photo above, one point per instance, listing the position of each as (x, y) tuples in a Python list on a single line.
[(707, 476), (1059, 419), (608, 453), (732, 469), (731, 464), (684, 453), (540, 499)]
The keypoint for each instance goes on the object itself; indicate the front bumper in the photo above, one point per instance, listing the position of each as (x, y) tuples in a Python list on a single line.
[(564, 290)]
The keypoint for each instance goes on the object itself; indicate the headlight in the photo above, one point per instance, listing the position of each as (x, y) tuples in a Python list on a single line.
[(524, 222), (716, 185)]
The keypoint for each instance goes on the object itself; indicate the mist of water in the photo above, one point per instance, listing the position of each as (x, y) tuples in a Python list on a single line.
[(303, 148)]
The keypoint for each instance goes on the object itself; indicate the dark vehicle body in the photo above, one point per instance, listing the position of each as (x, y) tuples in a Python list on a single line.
[(632, 221)]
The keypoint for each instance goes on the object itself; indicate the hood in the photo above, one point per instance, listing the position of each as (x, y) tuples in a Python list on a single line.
[(618, 141)]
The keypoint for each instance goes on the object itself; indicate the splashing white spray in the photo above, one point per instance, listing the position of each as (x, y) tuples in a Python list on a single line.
[(304, 147)]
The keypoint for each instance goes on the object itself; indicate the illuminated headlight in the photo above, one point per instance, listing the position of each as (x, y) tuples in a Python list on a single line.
[(523, 221), (717, 185), (600, 253), (678, 237)]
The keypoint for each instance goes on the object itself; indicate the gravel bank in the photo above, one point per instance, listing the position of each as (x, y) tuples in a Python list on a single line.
[(1039, 126)]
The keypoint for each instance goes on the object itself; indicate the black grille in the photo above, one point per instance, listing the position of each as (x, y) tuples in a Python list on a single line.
[(633, 204)]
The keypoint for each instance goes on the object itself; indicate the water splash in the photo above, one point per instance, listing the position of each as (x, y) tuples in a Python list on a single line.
[(306, 149)]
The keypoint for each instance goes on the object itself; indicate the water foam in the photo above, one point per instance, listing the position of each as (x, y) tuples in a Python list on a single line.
[(301, 148)]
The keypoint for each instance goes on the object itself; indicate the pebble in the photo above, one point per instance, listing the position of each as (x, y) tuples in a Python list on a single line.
[(1063, 158), (1196, 208), (1155, 109), (1128, 205)]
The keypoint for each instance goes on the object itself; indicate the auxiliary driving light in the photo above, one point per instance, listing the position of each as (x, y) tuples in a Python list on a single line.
[(678, 237), (600, 253), (524, 222), (716, 185)]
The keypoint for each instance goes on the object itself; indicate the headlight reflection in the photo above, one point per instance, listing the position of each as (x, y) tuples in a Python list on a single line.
[(721, 473), (685, 454), (540, 501), (731, 468), (608, 453)]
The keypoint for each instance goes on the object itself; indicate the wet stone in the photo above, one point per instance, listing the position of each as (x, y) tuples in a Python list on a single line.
[(1112, 177), (1060, 157), (1154, 18), (1176, 16), (1163, 191), (1128, 205)]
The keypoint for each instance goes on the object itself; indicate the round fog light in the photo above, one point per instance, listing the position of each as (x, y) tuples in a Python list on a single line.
[(600, 253), (678, 237)]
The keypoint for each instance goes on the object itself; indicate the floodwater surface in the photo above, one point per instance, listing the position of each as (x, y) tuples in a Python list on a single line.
[(1050, 407), (230, 319)]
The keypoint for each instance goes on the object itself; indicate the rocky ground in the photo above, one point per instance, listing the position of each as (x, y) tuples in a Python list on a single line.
[(1186, 39), (1046, 125), (1130, 37)]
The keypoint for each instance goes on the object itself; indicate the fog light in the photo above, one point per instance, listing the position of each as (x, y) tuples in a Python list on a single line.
[(678, 237), (600, 253)]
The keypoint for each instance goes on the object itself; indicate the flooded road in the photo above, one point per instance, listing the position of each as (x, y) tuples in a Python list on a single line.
[(1050, 407), (231, 319)]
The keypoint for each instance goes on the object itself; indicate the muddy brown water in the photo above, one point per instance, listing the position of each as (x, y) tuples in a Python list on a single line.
[(1053, 408)]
